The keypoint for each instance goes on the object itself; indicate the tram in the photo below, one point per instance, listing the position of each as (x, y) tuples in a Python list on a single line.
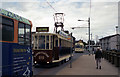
[(79, 47), (15, 45), (52, 48)]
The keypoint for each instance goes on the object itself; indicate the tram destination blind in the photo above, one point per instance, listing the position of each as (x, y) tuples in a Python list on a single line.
[(42, 29)]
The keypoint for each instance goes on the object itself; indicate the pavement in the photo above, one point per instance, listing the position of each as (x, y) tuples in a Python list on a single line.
[(82, 64), (85, 65)]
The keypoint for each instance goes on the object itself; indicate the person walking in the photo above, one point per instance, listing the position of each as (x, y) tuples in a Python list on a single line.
[(98, 56)]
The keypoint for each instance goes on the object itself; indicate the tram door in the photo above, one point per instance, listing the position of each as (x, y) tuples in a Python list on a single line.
[(55, 48)]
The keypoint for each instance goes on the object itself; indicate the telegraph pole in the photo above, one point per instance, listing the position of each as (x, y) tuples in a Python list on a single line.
[(89, 34)]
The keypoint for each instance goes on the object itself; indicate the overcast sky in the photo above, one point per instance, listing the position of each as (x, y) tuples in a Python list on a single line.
[(104, 15)]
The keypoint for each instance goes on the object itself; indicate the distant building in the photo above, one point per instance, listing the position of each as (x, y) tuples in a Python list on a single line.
[(81, 42), (119, 29), (110, 42)]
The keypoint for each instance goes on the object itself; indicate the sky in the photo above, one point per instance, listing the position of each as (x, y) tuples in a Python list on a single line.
[(103, 15)]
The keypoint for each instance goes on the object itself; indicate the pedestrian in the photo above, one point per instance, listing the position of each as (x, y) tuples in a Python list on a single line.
[(98, 56), (93, 50)]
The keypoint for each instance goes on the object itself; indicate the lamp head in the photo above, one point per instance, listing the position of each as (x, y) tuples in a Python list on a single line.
[(73, 28)]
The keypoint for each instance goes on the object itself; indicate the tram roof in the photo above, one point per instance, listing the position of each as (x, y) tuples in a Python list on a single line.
[(14, 16)]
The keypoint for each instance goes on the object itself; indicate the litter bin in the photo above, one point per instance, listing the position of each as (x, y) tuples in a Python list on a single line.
[(110, 57), (117, 60), (113, 56), (107, 56)]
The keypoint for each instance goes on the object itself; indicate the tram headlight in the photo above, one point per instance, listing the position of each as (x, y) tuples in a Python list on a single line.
[(35, 62), (47, 62)]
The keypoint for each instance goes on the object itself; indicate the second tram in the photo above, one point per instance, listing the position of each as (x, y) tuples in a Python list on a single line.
[(79, 47), (50, 48)]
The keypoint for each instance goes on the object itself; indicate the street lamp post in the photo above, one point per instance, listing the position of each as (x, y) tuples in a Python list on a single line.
[(117, 38), (88, 32), (71, 52)]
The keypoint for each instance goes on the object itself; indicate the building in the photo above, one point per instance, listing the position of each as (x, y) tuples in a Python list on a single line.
[(110, 42)]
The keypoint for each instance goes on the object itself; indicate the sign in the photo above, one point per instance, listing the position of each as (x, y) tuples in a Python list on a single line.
[(14, 16), (22, 57), (27, 72), (64, 35), (42, 29)]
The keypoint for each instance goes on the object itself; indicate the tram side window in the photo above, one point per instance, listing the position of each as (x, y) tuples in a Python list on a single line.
[(6, 29), (35, 42), (24, 36), (47, 42), (51, 42), (56, 43)]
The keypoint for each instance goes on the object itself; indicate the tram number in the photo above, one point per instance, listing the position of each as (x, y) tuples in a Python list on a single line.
[(41, 57)]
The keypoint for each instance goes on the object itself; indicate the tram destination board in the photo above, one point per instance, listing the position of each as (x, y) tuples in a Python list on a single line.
[(42, 29)]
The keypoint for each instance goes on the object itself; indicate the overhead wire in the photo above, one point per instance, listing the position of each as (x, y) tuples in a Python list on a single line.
[(56, 10), (51, 6)]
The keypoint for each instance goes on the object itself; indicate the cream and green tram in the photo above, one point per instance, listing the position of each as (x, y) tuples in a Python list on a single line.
[(79, 47), (50, 48)]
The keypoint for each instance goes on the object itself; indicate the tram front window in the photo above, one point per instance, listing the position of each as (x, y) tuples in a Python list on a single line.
[(77, 46), (41, 42)]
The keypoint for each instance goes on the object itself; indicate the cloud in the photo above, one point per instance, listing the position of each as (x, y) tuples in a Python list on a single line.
[(104, 15)]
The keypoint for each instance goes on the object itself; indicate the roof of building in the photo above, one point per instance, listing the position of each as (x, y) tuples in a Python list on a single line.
[(80, 41), (109, 36)]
